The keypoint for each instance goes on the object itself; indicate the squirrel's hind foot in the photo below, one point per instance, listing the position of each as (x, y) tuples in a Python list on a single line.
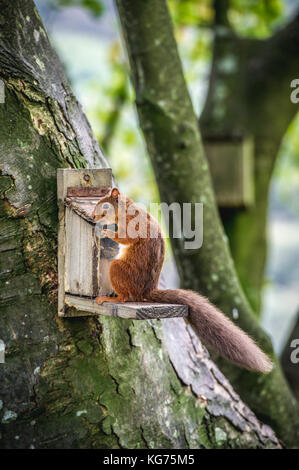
[(104, 298)]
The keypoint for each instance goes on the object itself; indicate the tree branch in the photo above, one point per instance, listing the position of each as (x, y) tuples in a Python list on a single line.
[(221, 9), (283, 50), (249, 94), (272, 65)]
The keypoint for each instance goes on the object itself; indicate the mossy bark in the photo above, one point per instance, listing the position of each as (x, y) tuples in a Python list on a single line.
[(173, 140), (249, 95), (83, 383)]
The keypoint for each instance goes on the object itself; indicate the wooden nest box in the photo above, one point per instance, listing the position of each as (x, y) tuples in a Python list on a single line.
[(231, 165), (84, 258)]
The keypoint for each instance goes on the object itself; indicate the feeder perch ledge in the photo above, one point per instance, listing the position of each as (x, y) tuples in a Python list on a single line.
[(84, 259)]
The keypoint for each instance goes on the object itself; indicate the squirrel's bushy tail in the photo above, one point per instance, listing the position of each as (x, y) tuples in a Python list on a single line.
[(216, 330)]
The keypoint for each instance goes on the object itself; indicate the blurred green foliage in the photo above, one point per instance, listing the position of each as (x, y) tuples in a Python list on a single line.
[(95, 7), (253, 18), (256, 18)]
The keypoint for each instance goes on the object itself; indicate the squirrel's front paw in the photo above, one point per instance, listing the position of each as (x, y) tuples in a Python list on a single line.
[(104, 233), (107, 233)]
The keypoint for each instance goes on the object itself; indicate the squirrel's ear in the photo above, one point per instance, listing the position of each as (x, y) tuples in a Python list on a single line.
[(115, 193)]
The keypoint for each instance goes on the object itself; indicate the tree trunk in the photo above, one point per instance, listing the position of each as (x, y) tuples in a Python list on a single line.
[(83, 383), (173, 140), (249, 94)]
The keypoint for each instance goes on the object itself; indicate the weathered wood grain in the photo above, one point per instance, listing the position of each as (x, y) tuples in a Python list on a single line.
[(82, 306), (78, 247), (82, 256), (83, 178)]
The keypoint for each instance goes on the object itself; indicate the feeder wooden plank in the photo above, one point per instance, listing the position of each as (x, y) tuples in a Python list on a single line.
[(138, 311)]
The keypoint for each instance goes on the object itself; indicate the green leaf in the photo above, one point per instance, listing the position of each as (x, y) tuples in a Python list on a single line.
[(95, 7)]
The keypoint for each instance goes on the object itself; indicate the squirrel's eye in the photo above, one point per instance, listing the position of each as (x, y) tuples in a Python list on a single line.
[(105, 206)]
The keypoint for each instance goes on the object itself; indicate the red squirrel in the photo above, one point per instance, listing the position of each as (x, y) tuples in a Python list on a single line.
[(135, 276)]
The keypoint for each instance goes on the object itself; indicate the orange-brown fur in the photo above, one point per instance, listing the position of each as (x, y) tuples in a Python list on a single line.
[(135, 277)]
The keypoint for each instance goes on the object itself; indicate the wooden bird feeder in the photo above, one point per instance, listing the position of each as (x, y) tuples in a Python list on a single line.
[(231, 165), (84, 258)]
